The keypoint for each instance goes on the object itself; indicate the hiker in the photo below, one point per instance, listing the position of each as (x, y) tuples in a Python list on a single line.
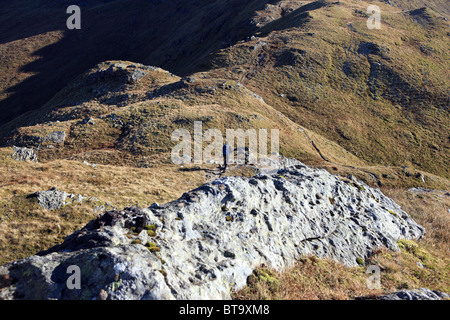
[(226, 155)]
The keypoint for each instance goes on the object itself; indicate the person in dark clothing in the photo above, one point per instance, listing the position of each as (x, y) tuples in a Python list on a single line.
[(226, 154)]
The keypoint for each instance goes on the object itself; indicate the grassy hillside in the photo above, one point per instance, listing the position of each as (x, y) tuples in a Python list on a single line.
[(381, 94), (417, 265), (128, 138), (354, 101), (439, 6), (133, 123), (40, 56)]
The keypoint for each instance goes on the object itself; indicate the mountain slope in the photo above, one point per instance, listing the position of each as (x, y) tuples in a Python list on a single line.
[(380, 94), (98, 107), (134, 122), (168, 34)]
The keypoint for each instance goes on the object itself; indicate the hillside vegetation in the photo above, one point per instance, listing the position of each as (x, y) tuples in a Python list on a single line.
[(381, 94), (370, 104)]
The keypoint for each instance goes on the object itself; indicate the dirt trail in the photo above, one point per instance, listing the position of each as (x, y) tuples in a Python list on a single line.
[(372, 175)]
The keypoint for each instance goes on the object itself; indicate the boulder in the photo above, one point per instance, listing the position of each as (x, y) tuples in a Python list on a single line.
[(121, 71), (209, 241), (55, 199), (88, 120), (57, 137), (136, 75), (51, 199), (24, 154)]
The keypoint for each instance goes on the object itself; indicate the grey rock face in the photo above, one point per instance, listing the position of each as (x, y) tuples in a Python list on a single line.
[(24, 154), (208, 242), (55, 199), (417, 294), (51, 199), (136, 75), (57, 137)]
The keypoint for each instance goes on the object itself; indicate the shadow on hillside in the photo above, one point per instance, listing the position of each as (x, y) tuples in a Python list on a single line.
[(295, 19), (174, 35)]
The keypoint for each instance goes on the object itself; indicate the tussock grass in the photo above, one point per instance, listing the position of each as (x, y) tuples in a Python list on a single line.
[(310, 279), (430, 209), (416, 265), (26, 228), (388, 116)]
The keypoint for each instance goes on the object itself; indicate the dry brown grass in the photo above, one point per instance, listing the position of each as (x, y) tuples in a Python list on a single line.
[(315, 93), (310, 279), (318, 94), (429, 209), (388, 177), (422, 264), (25, 228)]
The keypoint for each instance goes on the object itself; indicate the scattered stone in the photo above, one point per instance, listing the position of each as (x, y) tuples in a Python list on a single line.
[(76, 198), (259, 45), (88, 120), (151, 68), (103, 207), (420, 190), (93, 165), (51, 199), (189, 80)]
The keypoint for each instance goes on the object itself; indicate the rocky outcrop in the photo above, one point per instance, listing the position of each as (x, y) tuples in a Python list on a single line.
[(24, 154), (122, 72), (209, 241), (23, 143), (55, 199), (57, 137), (136, 75)]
